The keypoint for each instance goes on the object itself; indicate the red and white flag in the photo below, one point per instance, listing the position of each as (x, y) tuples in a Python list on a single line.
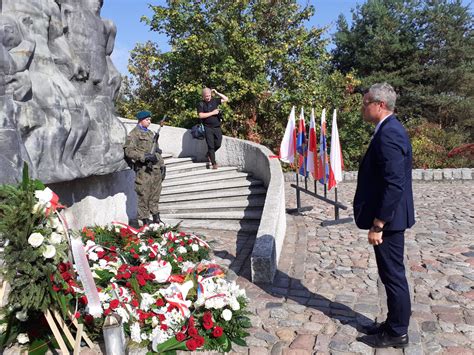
[(288, 144), (337, 164), (312, 159)]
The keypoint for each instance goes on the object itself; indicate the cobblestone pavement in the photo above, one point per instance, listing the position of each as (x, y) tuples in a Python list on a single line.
[(327, 285)]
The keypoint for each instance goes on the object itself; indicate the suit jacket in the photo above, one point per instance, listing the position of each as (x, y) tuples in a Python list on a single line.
[(384, 183)]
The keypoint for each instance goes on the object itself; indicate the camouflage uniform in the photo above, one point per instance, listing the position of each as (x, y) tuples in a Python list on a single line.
[(147, 181)]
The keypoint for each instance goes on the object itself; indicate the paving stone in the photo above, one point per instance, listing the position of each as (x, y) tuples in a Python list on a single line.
[(304, 341), (388, 351), (277, 348), (429, 326), (269, 338), (279, 313), (414, 349), (295, 352), (286, 334), (258, 351)]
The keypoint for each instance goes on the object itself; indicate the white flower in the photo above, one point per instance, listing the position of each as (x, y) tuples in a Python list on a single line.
[(55, 223), (44, 196), (154, 322), (182, 250), (195, 247), (50, 252), (21, 316), (22, 338), (93, 256), (226, 314), (55, 238), (35, 240), (161, 269), (147, 301), (135, 333), (39, 207), (102, 263), (3, 327), (234, 304), (123, 313)]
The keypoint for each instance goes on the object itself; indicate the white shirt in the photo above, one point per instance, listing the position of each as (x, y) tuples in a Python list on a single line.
[(378, 124)]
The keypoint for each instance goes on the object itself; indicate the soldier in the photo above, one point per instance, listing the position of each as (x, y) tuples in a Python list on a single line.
[(149, 168)]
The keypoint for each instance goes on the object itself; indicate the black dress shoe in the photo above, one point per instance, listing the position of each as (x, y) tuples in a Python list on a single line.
[(374, 328), (384, 340)]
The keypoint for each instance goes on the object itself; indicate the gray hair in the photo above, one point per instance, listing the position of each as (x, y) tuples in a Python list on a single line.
[(205, 89), (384, 92)]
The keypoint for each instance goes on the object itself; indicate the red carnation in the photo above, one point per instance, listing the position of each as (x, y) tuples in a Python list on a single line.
[(159, 302), (151, 255), (207, 317), (134, 303), (171, 250), (164, 327), (208, 325), (192, 332), (83, 300), (217, 332), (180, 259), (114, 304), (88, 319), (180, 336), (56, 288), (199, 341), (191, 344)]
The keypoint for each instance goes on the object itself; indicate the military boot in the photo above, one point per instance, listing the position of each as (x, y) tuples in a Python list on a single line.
[(146, 221), (133, 223), (156, 218)]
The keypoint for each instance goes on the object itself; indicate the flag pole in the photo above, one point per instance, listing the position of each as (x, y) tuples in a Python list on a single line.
[(336, 208)]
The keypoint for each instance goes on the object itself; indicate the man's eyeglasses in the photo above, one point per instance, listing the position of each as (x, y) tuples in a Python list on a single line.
[(367, 103)]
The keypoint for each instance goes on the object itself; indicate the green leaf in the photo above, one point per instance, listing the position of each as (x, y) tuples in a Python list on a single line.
[(239, 341), (38, 347)]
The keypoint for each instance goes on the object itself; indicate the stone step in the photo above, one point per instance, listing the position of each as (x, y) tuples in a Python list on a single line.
[(210, 186), (222, 216), (213, 206), (177, 161), (202, 179), (233, 194), (184, 168), (166, 155), (203, 172), (250, 226)]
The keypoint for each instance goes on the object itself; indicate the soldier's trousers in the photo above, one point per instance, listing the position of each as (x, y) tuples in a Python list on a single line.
[(148, 188)]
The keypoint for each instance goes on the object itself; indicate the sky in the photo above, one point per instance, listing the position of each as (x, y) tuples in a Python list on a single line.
[(126, 14)]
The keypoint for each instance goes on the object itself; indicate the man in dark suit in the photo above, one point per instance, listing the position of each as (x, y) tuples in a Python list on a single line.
[(383, 204)]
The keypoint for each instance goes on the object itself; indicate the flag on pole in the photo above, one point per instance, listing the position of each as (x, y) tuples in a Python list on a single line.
[(323, 163), (312, 159), (335, 173), (288, 144), (301, 145)]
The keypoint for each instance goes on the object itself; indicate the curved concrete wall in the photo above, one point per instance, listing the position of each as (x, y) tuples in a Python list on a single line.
[(250, 157)]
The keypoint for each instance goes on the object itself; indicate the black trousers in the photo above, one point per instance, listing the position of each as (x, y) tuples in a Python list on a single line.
[(214, 141), (389, 256)]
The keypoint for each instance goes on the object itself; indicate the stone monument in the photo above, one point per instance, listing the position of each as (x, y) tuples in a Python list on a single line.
[(57, 88)]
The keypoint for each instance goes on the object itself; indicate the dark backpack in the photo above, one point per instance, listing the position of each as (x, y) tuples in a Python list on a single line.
[(197, 131)]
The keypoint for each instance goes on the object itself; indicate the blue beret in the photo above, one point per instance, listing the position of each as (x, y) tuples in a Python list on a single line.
[(142, 115)]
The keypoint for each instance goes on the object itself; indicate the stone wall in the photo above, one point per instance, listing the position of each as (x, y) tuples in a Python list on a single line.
[(417, 175)]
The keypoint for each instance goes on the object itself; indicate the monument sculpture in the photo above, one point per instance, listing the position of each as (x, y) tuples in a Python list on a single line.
[(57, 87)]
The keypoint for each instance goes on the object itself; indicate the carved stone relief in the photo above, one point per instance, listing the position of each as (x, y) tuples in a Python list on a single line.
[(57, 88)]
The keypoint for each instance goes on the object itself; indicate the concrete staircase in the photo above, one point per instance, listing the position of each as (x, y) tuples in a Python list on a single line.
[(202, 198)]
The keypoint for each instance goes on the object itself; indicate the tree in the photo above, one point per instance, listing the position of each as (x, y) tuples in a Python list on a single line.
[(423, 48), (259, 53)]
